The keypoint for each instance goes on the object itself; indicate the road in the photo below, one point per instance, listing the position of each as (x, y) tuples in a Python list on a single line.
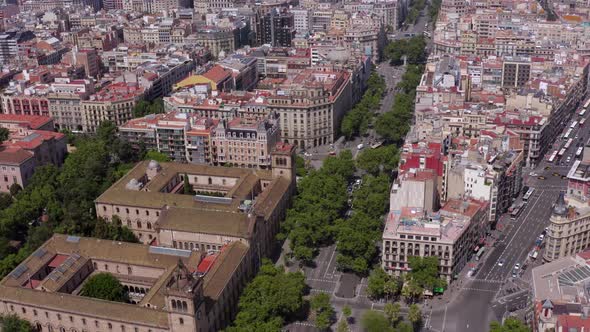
[(477, 302)]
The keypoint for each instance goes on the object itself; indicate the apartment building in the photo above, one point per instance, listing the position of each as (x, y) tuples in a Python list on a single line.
[(32, 100), (65, 103), (169, 289), (416, 187), (238, 141), (453, 234), (310, 106), (114, 103)]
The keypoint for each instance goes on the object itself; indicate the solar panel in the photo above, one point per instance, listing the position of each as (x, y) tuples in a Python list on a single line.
[(40, 252), (73, 239), (169, 251), (19, 271), (213, 199)]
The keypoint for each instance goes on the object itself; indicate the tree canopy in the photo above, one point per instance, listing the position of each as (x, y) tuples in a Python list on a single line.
[(383, 158), (323, 310), (143, 107), (4, 134), (374, 321), (65, 196), (269, 299), (320, 201), (511, 324), (12, 323), (356, 121), (157, 156), (104, 286), (412, 49)]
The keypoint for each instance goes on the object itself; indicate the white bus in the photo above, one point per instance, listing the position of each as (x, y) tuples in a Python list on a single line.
[(579, 151), (582, 112), (587, 103), (528, 194), (561, 153), (573, 125), (552, 157), (568, 143), (567, 134)]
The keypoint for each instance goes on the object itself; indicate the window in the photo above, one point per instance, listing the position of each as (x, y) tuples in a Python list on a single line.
[(147, 212), (96, 323), (104, 208), (84, 321), (34, 312), (110, 326), (149, 225), (71, 319), (117, 209), (127, 211), (139, 224), (59, 316), (137, 211), (62, 329), (181, 321), (106, 267), (24, 310), (129, 270)]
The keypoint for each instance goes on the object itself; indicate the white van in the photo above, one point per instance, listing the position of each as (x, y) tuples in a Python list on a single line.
[(360, 146)]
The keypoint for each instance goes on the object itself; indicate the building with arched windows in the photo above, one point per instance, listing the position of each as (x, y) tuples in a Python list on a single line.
[(169, 289)]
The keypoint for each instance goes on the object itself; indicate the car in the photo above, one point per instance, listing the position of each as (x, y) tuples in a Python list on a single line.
[(332, 153), (541, 237), (541, 177), (360, 146), (517, 266), (546, 230), (501, 262)]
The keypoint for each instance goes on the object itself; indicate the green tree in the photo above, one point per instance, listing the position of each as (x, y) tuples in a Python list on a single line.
[(376, 283), (415, 314), (113, 231), (106, 287), (269, 299), (404, 327), (323, 310), (4, 134), (12, 323), (300, 169), (384, 158), (157, 156), (187, 188), (14, 189), (347, 311), (373, 321), (392, 312), (424, 272), (5, 201), (511, 324), (343, 326)]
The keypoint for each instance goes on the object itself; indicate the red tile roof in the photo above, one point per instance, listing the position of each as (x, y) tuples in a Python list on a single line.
[(13, 155), (57, 260), (31, 121), (206, 263), (217, 74)]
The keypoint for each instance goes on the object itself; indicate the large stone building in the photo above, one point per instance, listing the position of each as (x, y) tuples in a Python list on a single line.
[(169, 289), (230, 204)]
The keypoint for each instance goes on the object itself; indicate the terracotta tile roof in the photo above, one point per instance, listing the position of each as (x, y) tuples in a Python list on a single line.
[(30, 121), (13, 155), (217, 74)]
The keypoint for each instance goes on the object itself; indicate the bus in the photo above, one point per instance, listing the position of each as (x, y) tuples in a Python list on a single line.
[(573, 125), (582, 112), (568, 143), (552, 157), (515, 213), (480, 253), (567, 134), (561, 153), (528, 194), (579, 151), (582, 121), (587, 104)]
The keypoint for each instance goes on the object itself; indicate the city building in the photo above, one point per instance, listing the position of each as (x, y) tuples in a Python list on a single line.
[(453, 234), (114, 103), (416, 187), (276, 28), (169, 289), (230, 204)]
